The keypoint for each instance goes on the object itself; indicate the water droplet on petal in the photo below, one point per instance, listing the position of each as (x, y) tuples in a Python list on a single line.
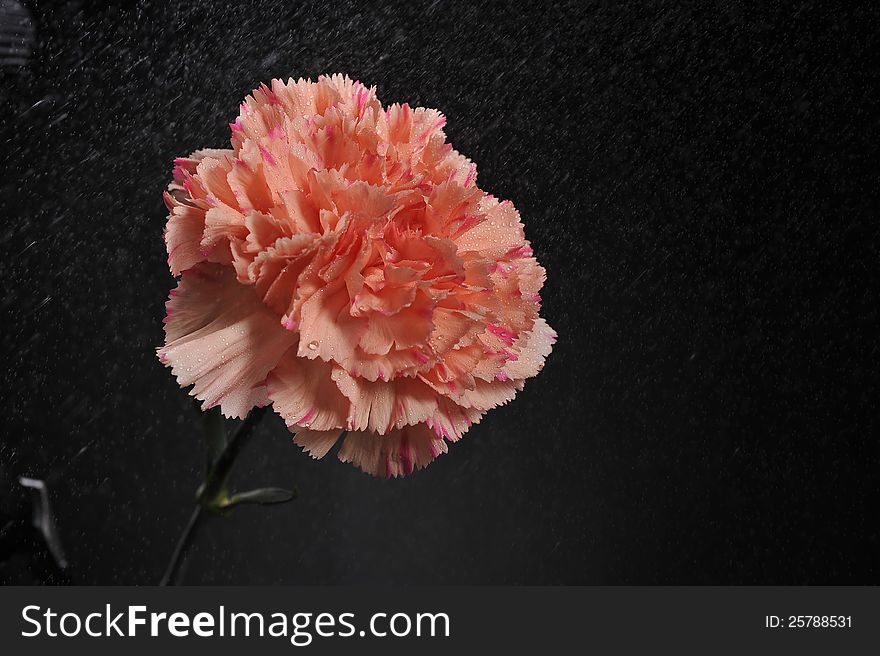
[(313, 345)]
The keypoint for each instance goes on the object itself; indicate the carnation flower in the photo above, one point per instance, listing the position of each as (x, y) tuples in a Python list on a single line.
[(340, 263)]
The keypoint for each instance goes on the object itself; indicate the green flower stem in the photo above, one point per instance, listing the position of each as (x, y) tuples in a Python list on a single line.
[(183, 545), (213, 494)]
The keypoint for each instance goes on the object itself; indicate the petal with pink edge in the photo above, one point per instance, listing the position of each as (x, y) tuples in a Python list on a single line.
[(531, 350), (303, 392), (451, 420), (396, 454), (497, 234), (183, 235), (382, 406)]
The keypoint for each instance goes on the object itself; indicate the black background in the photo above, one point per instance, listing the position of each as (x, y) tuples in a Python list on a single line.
[(699, 184)]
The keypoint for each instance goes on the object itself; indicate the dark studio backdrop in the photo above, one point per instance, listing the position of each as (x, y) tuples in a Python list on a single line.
[(700, 184)]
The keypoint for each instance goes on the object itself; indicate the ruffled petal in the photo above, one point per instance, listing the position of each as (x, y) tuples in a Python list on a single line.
[(483, 395), (327, 329), (386, 367), (183, 234), (396, 454), (249, 187), (316, 443), (276, 271), (222, 224), (212, 174), (222, 340), (451, 420), (304, 393), (382, 406), (531, 351), (497, 234)]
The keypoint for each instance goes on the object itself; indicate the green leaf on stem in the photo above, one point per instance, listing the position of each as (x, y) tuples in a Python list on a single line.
[(263, 496)]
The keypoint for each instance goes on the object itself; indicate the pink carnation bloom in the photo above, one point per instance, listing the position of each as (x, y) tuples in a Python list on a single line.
[(340, 263)]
